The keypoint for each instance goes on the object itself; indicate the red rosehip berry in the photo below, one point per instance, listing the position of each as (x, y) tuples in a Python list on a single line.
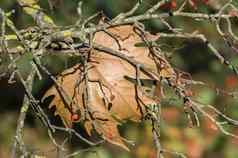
[(188, 93), (109, 136), (230, 81), (173, 4), (233, 13), (205, 2), (75, 117), (193, 4)]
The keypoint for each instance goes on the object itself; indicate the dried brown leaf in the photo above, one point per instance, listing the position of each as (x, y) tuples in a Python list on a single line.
[(111, 96)]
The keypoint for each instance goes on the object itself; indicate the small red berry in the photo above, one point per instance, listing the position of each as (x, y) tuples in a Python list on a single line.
[(110, 135), (233, 13), (68, 126), (188, 93), (75, 117), (173, 4), (205, 2), (230, 81), (193, 4), (158, 101)]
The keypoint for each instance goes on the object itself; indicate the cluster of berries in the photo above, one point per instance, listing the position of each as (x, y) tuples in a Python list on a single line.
[(172, 4)]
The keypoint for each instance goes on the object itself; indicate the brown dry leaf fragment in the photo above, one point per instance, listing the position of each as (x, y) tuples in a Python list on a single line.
[(111, 96), (101, 119)]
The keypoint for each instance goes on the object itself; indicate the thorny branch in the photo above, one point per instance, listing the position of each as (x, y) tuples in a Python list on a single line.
[(46, 37)]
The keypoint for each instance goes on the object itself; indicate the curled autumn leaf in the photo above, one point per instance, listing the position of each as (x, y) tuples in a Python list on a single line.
[(105, 92)]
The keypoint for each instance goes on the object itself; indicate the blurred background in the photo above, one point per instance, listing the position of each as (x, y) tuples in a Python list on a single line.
[(190, 56)]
